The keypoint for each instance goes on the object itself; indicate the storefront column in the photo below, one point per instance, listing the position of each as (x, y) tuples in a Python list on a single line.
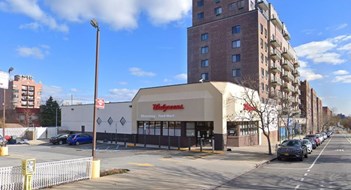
[(219, 141)]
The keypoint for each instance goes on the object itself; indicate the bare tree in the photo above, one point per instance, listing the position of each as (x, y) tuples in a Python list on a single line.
[(265, 111)]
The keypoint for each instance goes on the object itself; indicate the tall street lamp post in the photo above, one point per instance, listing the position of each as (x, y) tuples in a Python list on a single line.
[(95, 24), (4, 107)]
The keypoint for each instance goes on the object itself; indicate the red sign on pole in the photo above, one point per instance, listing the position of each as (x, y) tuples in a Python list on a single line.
[(100, 103)]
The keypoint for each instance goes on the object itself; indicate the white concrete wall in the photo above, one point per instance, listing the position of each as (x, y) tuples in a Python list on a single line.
[(75, 116)]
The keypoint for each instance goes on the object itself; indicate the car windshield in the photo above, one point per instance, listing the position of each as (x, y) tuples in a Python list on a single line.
[(291, 143)]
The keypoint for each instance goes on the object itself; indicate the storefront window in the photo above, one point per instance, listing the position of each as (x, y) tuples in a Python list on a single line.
[(190, 129), (165, 129), (178, 129), (171, 126), (151, 128), (232, 129), (157, 128), (140, 128)]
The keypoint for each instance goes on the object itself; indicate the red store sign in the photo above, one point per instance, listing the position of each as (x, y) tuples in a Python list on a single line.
[(166, 107)]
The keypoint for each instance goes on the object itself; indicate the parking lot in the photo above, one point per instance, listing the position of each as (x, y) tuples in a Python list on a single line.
[(149, 164)]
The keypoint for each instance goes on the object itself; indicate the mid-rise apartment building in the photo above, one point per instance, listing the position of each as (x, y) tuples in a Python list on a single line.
[(306, 106), (23, 98), (238, 40)]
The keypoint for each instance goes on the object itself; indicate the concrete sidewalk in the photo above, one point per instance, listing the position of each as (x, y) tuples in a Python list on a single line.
[(162, 169)]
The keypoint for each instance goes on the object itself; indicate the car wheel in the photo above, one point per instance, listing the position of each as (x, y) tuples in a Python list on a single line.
[(306, 155), (60, 142), (77, 143), (301, 157), (279, 158)]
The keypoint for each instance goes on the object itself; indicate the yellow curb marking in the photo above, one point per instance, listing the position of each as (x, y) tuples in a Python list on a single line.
[(141, 164)]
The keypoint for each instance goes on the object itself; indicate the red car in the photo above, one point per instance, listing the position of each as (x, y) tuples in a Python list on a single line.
[(316, 139)]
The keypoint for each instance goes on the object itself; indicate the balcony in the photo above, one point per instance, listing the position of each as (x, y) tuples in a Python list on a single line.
[(275, 20), (287, 55), (287, 66), (14, 100), (286, 34), (276, 55), (288, 77), (296, 73), (31, 93), (31, 88), (286, 87), (276, 43), (296, 64), (263, 4), (276, 82), (275, 68), (24, 88), (30, 103), (23, 103), (296, 82)]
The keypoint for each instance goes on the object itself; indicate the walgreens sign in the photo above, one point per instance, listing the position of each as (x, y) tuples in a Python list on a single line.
[(165, 107)]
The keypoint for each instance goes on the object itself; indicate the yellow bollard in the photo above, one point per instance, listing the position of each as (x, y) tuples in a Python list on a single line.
[(4, 151), (95, 169)]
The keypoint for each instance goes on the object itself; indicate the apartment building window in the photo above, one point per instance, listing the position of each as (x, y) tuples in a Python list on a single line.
[(204, 50), (262, 58), (262, 86), (204, 37), (265, 33), (236, 44), (218, 11), (232, 6), (235, 58), (261, 28), (261, 43), (204, 76), (236, 29), (267, 89), (200, 3), (265, 46), (266, 60), (236, 73), (267, 76), (200, 16), (241, 4), (262, 73), (204, 63)]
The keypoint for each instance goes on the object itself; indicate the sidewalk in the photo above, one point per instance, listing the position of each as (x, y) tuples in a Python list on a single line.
[(178, 169)]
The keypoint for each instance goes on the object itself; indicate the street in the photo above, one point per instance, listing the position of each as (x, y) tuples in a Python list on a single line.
[(328, 167)]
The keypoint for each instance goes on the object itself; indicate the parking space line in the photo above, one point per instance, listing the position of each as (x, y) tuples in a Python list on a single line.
[(297, 186), (319, 154)]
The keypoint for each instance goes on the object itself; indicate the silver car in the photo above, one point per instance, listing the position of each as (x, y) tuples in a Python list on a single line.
[(308, 144)]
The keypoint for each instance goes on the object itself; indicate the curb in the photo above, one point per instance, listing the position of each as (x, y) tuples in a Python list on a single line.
[(265, 162)]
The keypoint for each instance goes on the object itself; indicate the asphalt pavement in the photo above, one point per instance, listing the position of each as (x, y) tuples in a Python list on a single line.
[(150, 168)]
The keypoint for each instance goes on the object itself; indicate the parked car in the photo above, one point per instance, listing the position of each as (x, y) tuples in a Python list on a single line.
[(292, 149), (316, 139), (329, 133), (308, 144), (79, 138), (321, 138), (59, 139), (313, 142)]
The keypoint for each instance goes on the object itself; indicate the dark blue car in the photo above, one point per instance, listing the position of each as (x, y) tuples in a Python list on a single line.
[(79, 138)]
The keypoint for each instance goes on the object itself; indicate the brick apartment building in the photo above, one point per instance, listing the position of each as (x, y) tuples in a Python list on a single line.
[(23, 100), (232, 40)]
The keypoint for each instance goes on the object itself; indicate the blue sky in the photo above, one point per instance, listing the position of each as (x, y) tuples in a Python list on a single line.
[(143, 44)]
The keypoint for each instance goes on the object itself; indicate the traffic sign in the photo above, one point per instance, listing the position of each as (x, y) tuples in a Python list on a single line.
[(100, 103)]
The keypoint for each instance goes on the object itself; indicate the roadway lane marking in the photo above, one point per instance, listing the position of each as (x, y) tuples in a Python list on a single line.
[(319, 155), (297, 186), (347, 139), (305, 174), (302, 179)]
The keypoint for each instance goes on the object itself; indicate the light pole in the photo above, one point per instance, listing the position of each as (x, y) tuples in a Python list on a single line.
[(4, 107), (95, 24)]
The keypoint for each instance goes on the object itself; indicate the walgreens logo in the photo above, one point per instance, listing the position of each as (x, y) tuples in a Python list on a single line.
[(166, 107)]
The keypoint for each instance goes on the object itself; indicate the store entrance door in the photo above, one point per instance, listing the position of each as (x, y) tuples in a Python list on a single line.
[(204, 132)]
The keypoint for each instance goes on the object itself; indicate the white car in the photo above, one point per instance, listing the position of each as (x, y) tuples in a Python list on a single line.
[(308, 144), (321, 138)]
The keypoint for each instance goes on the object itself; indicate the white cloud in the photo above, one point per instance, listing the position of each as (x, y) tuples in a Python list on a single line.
[(182, 76), (74, 90), (32, 9), (327, 51), (309, 74), (123, 94), (346, 47), (50, 91), (121, 14), (341, 26), (30, 26), (36, 52), (122, 83), (340, 72), (343, 79), (140, 73)]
